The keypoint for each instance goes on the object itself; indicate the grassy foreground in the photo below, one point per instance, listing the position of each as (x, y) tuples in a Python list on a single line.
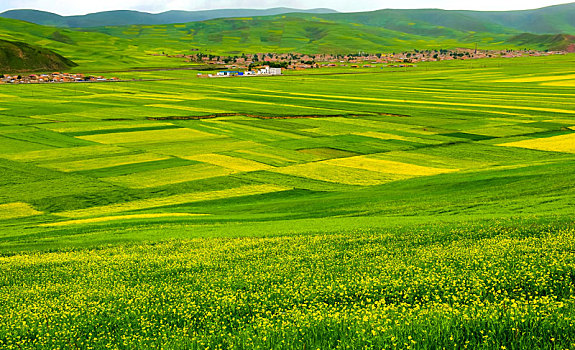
[(423, 208)]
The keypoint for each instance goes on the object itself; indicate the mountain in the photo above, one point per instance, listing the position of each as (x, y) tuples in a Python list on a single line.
[(19, 57), (125, 17)]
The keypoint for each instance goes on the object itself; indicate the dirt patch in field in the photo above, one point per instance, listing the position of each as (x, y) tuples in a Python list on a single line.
[(313, 116), (395, 115)]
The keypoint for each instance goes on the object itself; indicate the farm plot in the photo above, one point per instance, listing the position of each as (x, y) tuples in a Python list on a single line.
[(98, 163), (173, 200), (272, 156), (17, 210), (388, 166), (234, 163), (562, 143), (66, 153), (193, 109), (162, 177), (325, 171), (155, 136)]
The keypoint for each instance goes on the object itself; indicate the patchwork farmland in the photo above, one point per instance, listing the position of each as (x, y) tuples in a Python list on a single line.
[(379, 210)]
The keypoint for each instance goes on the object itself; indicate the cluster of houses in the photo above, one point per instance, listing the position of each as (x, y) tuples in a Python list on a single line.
[(257, 71), (294, 61), (55, 77)]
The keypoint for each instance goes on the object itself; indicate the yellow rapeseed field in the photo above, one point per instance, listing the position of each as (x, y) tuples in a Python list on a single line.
[(233, 163), (562, 143), (82, 127), (143, 96), (168, 176), (98, 163), (388, 166), (379, 101), (17, 210), (198, 109), (59, 153), (264, 154), (325, 171), (151, 136), (380, 135), (560, 83), (537, 79)]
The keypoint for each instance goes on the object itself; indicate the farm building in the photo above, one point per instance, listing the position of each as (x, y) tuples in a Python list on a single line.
[(229, 73)]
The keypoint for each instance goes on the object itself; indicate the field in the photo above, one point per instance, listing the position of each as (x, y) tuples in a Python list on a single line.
[(422, 208)]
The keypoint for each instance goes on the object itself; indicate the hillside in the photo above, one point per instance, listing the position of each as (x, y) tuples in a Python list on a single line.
[(559, 19), (549, 41), (117, 18), (90, 50), (292, 34), (20, 57)]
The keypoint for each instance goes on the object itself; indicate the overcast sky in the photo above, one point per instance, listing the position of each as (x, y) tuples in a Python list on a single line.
[(72, 7)]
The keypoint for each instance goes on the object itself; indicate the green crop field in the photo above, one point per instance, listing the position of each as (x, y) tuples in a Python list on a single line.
[(429, 207)]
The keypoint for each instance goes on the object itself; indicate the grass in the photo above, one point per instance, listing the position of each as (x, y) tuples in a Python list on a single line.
[(434, 209)]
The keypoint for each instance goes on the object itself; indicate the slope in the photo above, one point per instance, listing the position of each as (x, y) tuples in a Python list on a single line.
[(90, 50), (18, 56)]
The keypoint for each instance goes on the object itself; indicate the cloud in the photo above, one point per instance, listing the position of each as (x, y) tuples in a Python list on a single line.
[(69, 7)]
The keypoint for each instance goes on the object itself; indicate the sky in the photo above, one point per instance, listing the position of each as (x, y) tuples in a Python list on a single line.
[(77, 7)]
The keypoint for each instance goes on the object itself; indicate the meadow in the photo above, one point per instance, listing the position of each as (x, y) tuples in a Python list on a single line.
[(429, 207)]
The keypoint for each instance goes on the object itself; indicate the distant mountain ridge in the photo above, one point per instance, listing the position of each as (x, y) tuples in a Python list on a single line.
[(557, 19), (127, 17)]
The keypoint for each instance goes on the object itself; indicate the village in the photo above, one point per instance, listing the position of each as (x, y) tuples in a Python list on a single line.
[(272, 64), (295, 61), (55, 77)]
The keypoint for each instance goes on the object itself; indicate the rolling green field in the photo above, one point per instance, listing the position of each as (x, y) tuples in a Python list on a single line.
[(429, 207)]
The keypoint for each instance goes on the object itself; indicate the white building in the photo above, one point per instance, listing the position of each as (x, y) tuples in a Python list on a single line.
[(275, 71)]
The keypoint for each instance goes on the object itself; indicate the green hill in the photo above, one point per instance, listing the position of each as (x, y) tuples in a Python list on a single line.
[(548, 41), (293, 34), (90, 50), (547, 20), (115, 18), (18, 56)]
